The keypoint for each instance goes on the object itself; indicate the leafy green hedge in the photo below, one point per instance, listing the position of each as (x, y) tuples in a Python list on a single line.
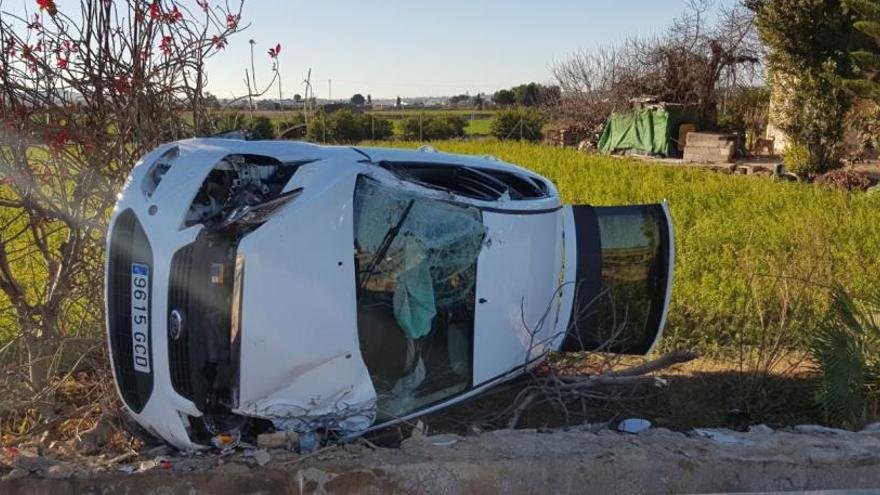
[(754, 256)]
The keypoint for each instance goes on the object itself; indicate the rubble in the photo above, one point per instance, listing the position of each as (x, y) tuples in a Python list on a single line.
[(16, 473), (262, 457), (278, 440), (59, 472), (760, 429), (819, 430)]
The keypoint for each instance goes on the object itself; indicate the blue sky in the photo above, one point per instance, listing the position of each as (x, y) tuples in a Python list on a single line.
[(418, 48)]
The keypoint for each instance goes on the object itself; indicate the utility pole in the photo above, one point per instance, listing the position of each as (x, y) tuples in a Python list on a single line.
[(330, 90)]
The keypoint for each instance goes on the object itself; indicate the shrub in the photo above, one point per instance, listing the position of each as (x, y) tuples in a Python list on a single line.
[(796, 158), (228, 122), (745, 112), (290, 127), (516, 123), (261, 128), (345, 126), (847, 179), (376, 128), (257, 127), (430, 127), (846, 349)]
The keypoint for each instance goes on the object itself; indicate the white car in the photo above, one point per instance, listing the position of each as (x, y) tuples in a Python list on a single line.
[(336, 290)]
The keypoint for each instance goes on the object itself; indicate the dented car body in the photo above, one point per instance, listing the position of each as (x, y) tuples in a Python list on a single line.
[(335, 290)]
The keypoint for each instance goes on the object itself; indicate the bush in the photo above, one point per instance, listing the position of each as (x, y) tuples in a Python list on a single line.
[(796, 159), (847, 179), (345, 126), (377, 128), (745, 112), (432, 127), (290, 126), (261, 128), (257, 127), (228, 122), (846, 349), (516, 123)]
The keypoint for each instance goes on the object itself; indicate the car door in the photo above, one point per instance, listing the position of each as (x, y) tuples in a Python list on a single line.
[(624, 265)]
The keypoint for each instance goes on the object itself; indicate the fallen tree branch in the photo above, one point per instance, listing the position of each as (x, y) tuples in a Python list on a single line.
[(572, 387), (664, 361)]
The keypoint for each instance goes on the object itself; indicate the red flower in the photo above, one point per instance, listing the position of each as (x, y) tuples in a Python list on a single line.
[(219, 43), (155, 11), (61, 62), (173, 16), (27, 53), (48, 6), (121, 84), (59, 140), (232, 21), (166, 45), (273, 52), (69, 46)]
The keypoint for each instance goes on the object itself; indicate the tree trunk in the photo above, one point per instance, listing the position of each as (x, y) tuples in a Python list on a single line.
[(40, 352)]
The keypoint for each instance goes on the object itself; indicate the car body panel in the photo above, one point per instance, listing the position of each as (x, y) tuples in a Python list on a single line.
[(305, 364), (517, 298)]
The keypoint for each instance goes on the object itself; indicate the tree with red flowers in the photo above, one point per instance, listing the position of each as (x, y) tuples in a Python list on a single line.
[(83, 94)]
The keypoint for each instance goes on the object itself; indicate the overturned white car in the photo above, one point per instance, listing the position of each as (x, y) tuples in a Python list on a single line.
[(335, 290)]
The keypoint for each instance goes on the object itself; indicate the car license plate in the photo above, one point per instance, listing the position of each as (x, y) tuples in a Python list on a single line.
[(140, 316)]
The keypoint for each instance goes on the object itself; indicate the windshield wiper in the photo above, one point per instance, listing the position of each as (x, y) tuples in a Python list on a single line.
[(389, 237)]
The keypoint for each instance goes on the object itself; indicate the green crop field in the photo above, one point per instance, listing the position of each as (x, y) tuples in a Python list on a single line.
[(754, 257)]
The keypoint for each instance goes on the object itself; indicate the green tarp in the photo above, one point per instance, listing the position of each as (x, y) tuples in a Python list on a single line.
[(650, 131)]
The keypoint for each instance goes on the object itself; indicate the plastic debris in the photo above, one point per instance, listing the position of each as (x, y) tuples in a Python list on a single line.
[(307, 442), (10, 452), (127, 469), (633, 425), (818, 430), (718, 435), (760, 429), (226, 441), (443, 440)]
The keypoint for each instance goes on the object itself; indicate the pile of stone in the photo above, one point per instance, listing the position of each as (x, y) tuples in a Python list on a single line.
[(709, 147)]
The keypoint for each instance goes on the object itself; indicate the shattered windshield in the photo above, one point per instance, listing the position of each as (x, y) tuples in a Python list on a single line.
[(416, 274)]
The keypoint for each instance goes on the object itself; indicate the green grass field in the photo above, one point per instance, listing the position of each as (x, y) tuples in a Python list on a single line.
[(754, 256)]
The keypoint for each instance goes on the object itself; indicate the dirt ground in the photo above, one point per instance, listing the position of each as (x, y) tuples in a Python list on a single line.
[(587, 459)]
